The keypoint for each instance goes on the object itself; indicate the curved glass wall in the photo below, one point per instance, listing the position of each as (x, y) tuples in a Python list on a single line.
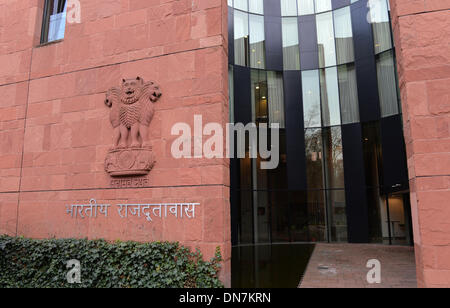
[(291, 50), (325, 71)]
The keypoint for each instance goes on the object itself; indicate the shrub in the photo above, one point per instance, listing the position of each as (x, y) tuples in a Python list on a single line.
[(26, 263)]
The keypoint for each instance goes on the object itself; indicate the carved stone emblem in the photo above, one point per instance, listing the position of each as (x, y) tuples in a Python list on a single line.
[(132, 111)]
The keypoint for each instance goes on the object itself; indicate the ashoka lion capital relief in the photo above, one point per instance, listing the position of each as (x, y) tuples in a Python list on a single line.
[(131, 113)]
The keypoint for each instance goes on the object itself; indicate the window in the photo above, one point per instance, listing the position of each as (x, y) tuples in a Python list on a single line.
[(267, 97), (311, 98), (325, 40), (54, 21), (288, 7), (291, 52), (251, 6), (333, 164), (381, 26), (256, 40), (387, 84), (259, 96), (348, 93), (305, 7), (315, 183), (249, 40), (344, 35), (323, 6), (329, 93), (256, 6), (241, 5), (276, 98), (241, 56)]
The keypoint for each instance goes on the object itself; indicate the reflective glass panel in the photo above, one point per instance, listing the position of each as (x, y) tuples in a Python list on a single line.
[(257, 41), (256, 6), (259, 96), (291, 51), (276, 98), (348, 93), (329, 90), (323, 6), (344, 35), (334, 179), (305, 7), (241, 5), (325, 40), (288, 7), (387, 84), (311, 98), (314, 176), (379, 16), (241, 38)]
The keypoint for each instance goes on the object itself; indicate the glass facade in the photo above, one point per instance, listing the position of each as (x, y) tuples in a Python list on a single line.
[(325, 40), (325, 71), (343, 35), (291, 50), (256, 41), (348, 93)]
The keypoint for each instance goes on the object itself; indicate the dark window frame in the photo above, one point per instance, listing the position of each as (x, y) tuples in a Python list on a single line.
[(48, 10)]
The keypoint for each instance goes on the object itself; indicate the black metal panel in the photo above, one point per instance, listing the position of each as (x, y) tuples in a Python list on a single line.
[(272, 8), (230, 35), (395, 171), (295, 136), (355, 184), (242, 96), (362, 30), (274, 50), (365, 65), (369, 106), (242, 114), (234, 200), (307, 31), (272, 28), (337, 4)]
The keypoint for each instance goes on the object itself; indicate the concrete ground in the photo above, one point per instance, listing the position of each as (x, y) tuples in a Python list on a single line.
[(345, 266)]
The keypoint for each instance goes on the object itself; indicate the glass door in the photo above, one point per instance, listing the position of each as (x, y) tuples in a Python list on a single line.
[(396, 219)]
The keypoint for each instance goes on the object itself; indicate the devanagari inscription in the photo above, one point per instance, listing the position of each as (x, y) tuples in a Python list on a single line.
[(148, 211), (87, 210)]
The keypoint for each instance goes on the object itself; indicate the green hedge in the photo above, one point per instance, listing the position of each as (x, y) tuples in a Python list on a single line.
[(26, 263)]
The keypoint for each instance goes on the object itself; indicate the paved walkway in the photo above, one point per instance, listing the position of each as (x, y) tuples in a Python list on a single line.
[(344, 266)]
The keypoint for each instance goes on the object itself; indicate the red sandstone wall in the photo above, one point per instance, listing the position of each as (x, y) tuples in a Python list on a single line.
[(55, 129), (422, 38)]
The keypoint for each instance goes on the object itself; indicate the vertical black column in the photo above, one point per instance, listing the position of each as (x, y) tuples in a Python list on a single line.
[(309, 54), (295, 136), (234, 163), (242, 97), (235, 200), (365, 65), (355, 184), (230, 35), (272, 30), (242, 114), (395, 171)]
